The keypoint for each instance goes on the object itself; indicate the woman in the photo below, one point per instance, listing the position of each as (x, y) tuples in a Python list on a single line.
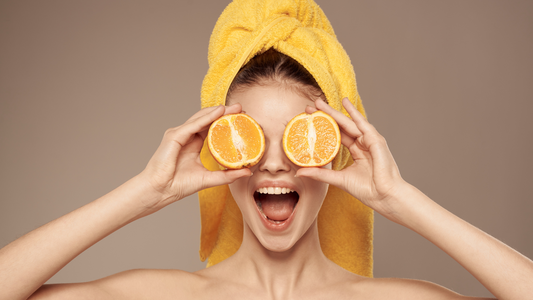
[(289, 264)]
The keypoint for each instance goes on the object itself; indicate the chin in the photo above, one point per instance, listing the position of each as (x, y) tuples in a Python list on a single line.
[(279, 210), (284, 241), (278, 244)]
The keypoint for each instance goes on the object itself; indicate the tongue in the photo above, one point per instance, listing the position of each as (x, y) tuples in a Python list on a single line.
[(278, 207)]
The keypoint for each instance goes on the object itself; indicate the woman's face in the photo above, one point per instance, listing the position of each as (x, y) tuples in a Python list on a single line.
[(277, 216)]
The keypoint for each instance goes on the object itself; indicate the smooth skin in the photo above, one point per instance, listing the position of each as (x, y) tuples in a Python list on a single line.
[(260, 269)]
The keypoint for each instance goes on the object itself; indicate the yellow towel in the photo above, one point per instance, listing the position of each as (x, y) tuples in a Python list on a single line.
[(299, 29)]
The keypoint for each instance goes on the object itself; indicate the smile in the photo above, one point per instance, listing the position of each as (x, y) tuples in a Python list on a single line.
[(276, 204)]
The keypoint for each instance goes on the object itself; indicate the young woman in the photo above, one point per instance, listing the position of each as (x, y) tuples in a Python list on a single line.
[(285, 262)]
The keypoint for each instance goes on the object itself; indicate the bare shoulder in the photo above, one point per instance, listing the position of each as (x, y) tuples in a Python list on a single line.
[(396, 288), (132, 284)]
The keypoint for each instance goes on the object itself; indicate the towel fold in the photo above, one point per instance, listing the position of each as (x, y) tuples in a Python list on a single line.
[(299, 29)]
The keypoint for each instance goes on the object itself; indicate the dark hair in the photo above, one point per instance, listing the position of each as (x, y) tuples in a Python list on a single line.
[(273, 67)]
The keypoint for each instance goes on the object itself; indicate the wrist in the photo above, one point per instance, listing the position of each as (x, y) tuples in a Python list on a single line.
[(137, 196), (405, 203)]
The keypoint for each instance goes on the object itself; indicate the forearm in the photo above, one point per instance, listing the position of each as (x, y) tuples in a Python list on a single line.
[(502, 270), (174, 171), (31, 260)]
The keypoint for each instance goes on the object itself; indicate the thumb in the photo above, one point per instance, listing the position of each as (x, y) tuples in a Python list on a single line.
[(216, 178), (320, 174)]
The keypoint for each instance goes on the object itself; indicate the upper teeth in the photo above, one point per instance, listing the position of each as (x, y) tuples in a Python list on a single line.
[(274, 190)]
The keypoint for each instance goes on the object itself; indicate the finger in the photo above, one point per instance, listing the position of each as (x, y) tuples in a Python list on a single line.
[(346, 139), (370, 136), (199, 125), (309, 109), (360, 121), (382, 157), (178, 137), (199, 122), (193, 146), (216, 178), (321, 174), (201, 113), (233, 109), (344, 122)]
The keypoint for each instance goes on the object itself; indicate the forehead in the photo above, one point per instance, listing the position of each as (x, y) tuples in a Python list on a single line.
[(271, 103)]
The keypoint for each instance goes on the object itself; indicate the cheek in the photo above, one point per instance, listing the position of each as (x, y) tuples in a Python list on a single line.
[(318, 188), (322, 190), (239, 192), (318, 191), (321, 187), (236, 187)]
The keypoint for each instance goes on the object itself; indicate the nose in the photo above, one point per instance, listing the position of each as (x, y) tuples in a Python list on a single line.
[(274, 160)]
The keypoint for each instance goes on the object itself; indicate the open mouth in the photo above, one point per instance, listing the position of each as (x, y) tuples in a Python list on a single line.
[(276, 204)]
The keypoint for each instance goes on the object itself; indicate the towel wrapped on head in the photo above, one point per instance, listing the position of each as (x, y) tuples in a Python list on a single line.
[(299, 29)]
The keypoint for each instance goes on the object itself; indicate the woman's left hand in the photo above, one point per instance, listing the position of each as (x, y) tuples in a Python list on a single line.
[(374, 177)]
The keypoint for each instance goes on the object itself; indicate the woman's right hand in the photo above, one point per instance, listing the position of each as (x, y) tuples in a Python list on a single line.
[(175, 170)]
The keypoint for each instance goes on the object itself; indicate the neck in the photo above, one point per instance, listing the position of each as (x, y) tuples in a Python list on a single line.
[(300, 265)]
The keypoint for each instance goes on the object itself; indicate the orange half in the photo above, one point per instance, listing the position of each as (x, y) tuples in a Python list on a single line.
[(236, 141), (312, 140)]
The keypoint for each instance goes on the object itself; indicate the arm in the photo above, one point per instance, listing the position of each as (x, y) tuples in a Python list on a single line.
[(28, 262), (375, 180), (506, 273), (174, 172)]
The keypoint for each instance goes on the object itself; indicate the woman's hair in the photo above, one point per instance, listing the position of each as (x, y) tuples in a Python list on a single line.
[(273, 67)]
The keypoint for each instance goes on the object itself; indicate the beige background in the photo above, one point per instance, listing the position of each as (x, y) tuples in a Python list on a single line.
[(87, 89)]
